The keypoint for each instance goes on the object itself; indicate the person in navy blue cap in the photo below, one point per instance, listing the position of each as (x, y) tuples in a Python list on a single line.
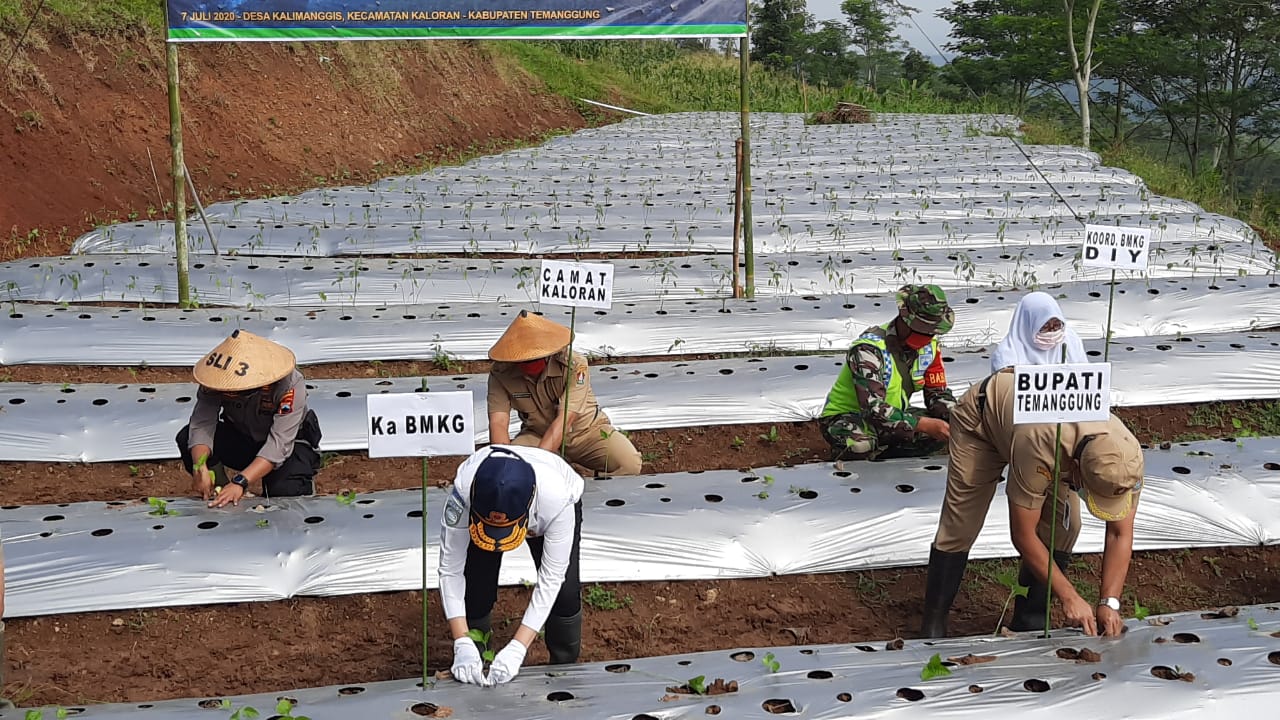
[(501, 496)]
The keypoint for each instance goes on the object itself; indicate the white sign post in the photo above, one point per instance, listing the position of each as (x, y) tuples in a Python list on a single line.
[(1117, 248), (1058, 394), (575, 285), (1061, 393), (421, 424)]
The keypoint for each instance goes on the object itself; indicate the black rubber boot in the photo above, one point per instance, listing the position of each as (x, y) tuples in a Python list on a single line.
[(483, 625), (1028, 612), (564, 638), (946, 570)]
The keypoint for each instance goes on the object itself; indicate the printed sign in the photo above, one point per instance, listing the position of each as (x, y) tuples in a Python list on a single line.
[(576, 284), (1118, 248), (301, 20), (421, 424), (1061, 393)]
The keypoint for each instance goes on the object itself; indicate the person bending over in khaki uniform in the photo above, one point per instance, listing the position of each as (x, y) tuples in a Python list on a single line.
[(530, 370), (1099, 462)]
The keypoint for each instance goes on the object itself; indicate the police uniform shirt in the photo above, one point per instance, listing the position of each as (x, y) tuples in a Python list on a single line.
[(551, 517), (537, 400), (270, 416), (1028, 448)]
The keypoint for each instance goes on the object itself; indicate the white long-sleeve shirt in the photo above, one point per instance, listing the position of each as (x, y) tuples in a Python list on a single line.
[(551, 517)]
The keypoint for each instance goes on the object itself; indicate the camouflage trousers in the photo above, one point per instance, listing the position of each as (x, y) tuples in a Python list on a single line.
[(851, 439)]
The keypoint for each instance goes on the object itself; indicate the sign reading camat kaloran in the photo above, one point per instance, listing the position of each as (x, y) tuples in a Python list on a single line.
[(1118, 248), (1061, 393), (421, 424), (294, 20), (576, 284)]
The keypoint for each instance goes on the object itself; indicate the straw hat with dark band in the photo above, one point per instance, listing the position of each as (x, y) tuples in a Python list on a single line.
[(242, 362), (529, 337)]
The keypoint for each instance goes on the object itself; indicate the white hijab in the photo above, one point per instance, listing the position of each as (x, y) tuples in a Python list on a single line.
[(1018, 347)]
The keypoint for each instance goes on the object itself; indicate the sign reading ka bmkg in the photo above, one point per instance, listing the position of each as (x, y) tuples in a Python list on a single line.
[(421, 424), (1061, 393), (1117, 248), (576, 284)]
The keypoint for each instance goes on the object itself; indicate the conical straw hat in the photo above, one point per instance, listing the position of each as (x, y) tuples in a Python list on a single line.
[(529, 337), (244, 361)]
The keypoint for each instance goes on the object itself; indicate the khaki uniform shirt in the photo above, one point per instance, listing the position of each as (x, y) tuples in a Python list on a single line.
[(270, 416), (537, 400), (1029, 449)]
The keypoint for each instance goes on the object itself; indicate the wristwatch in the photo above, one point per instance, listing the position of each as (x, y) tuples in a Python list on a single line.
[(1111, 602), (242, 481)]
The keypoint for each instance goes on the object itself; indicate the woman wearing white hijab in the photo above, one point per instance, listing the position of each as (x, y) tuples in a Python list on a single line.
[(1036, 336)]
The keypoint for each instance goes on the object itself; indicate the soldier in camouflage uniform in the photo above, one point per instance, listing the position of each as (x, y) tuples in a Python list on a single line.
[(866, 415)]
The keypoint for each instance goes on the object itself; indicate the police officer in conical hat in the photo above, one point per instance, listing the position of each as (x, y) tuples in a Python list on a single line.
[(530, 370), (1100, 463), (867, 414), (251, 422), (501, 496)]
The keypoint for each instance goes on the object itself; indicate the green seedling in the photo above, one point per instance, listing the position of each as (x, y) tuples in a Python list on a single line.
[(934, 668), (346, 497), (263, 523), (772, 435), (200, 464), (602, 598), (133, 471), (1140, 611), (481, 638), (763, 494), (284, 711), (698, 685), (737, 443), (245, 713), (60, 713), (1008, 579), (1253, 624), (768, 479), (770, 662), (160, 508)]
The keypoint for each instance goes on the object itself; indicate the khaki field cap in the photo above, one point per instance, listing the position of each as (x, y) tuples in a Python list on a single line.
[(529, 337), (244, 361), (1111, 471)]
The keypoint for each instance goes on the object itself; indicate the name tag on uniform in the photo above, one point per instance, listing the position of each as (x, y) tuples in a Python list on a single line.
[(454, 509)]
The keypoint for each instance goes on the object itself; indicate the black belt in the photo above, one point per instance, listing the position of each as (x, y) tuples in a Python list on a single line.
[(982, 396)]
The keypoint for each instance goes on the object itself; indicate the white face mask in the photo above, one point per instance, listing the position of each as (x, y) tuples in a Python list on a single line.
[(1049, 340)]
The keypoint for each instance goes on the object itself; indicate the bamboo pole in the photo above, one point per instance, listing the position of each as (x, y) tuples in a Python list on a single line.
[(737, 219), (179, 179), (744, 53)]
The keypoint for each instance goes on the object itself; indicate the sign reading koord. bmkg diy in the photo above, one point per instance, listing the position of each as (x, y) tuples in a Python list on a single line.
[(293, 20)]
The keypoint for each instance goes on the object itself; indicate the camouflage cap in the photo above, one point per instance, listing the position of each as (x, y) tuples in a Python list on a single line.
[(925, 310)]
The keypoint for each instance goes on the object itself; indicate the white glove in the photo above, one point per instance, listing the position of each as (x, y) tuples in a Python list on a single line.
[(467, 666), (506, 665)]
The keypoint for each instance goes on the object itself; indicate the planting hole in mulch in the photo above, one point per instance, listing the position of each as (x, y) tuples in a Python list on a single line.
[(685, 662), (102, 533), (1099, 676), (352, 690), (414, 514), (207, 525), (975, 689), (1035, 685), (910, 694), (778, 706), (313, 520), (806, 651), (1274, 658), (895, 644), (1268, 466), (643, 716), (820, 675), (1186, 638), (559, 696), (716, 687), (844, 697), (615, 503), (1224, 662), (904, 488), (1168, 673), (713, 709), (617, 668), (426, 709), (972, 659), (744, 656), (211, 703), (1083, 655), (865, 648), (713, 498)]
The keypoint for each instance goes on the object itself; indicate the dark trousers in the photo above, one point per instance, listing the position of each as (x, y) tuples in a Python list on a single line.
[(482, 567), (234, 449)]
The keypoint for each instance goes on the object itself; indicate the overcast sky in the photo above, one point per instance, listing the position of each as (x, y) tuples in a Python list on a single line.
[(936, 28)]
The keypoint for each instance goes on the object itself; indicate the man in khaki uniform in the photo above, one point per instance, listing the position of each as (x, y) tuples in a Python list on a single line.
[(530, 370), (1099, 462)]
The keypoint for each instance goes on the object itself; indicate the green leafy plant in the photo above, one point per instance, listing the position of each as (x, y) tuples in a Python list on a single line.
[(133, 471), (934, 668), (1140, 611), (284, 710), (1008, 579), (1253, 624), (247, 712), (698, 685), (770, 662), (768, 479), (737, 443), (602, 598), (38, 714), (160, 508), (481, 638), (772, 435), (763, 494), (346, 497), (263, 523)]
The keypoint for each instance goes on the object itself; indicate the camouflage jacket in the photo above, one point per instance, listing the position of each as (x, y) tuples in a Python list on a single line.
[(866, 363)]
